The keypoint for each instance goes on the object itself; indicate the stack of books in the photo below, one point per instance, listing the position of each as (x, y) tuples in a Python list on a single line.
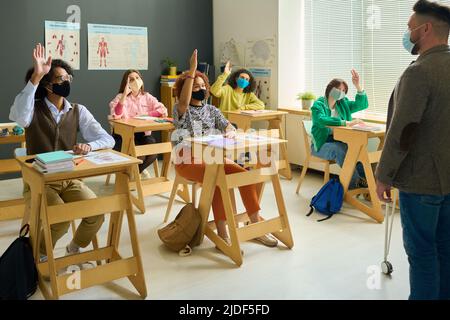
[(168, 80), (52, 162)]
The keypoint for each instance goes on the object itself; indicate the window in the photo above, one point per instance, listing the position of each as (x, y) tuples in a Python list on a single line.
[(362, 34)]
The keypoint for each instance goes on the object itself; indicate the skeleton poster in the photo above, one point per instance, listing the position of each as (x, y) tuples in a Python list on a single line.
[(113, 47)]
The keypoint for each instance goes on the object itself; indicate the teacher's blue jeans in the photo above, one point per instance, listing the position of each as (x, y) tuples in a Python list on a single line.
[(336, 151), (426, 238)]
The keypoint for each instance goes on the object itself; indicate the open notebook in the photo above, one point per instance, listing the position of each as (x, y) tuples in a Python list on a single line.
[(254, 112), (367, 127)]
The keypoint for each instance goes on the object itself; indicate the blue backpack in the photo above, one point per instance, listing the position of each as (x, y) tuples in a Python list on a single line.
[(329, 199)]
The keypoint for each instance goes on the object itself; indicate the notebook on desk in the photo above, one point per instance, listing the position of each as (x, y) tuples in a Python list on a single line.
[(365, 127), (225, 143), (54, 157), (144, 117), (253, 112)]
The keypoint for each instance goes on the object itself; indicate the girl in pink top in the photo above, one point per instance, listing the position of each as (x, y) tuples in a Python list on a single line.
[(133, 101)]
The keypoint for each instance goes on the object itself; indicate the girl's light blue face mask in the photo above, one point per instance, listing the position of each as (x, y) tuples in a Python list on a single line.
[(242, 83), (337, 94)]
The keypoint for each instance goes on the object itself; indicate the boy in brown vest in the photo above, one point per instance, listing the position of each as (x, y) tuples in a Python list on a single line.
[(52, 124)]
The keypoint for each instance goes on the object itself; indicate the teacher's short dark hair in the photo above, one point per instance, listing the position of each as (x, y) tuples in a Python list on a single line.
[(434, 9), (41, 92)]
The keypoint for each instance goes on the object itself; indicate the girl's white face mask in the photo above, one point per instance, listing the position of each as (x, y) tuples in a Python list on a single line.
[(136, 85)]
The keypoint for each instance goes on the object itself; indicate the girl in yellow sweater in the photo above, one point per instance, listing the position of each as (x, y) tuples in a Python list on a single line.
[(238, 94)]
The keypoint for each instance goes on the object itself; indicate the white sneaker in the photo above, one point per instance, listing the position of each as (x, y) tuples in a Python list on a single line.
[(268, 240), (81, 266), (145, 175)]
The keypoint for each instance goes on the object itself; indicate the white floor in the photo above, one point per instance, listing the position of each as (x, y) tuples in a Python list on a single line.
[(330, 260)]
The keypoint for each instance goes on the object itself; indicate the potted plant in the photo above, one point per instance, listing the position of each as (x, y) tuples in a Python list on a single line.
[(170, 67), (307, 99)]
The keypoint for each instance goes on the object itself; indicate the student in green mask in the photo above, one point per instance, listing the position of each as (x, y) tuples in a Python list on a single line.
[(335, 109)]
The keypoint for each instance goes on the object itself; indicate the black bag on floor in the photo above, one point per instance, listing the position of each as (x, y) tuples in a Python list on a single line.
[(18, 274)]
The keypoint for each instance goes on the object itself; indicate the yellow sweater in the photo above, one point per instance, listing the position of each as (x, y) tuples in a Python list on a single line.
[(230, 100)]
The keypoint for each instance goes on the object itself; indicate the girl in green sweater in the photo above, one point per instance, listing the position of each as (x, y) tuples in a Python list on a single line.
[(238, 94), (335, 109)]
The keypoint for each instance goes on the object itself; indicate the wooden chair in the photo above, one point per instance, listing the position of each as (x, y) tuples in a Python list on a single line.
[(306, 126), (179, 180)]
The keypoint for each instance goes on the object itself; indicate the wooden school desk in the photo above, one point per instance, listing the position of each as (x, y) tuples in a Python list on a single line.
[(43, 215), (275, 118), (357, 142), (153, 186), (215, 177), (14, 208)]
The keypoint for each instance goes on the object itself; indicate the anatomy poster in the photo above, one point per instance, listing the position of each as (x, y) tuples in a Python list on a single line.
[(62, 41), (262, 79), (113, 47)]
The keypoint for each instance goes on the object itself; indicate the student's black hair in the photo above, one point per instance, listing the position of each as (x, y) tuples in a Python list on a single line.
[(232, 81), (41, 92), (434, 9)]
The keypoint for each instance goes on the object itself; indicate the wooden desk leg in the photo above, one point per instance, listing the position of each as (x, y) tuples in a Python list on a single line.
[(357, 151), (49, 249), (129, 147), (285, 235), (233, 251), (208, 188), (165, 137), (286, 172), (138, 280)]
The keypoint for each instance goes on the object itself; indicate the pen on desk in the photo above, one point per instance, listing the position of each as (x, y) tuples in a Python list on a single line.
[(79, 161)]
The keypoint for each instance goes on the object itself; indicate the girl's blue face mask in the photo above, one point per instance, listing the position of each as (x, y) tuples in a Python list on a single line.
[(242, 83)]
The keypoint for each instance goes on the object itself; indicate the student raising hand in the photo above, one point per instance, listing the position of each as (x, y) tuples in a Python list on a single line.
[(127, 90), (193, 62), (356, 80), (227, 69), (41, 65)]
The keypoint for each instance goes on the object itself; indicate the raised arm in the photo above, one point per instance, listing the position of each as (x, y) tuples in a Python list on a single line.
[(361, 102), (217, 88), (186, 92), (23, 108)]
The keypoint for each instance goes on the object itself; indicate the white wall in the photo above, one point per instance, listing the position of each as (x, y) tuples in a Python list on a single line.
[(245, 20), (291, 41)]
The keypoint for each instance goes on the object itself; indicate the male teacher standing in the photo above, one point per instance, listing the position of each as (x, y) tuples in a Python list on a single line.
[(416, 155)]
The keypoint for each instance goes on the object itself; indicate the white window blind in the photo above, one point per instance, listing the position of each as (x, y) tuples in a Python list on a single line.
[(362, 34)]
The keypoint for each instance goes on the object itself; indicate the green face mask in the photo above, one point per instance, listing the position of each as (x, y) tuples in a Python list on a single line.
[(337, 94)]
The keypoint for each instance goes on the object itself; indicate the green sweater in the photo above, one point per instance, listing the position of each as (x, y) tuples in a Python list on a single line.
[(230, 100), (321, 116)]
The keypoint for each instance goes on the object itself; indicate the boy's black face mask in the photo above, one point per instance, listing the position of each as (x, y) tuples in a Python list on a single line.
[(61, 89)]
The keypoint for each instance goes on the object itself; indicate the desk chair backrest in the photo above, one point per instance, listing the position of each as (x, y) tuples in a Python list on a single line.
[(307, 126)]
